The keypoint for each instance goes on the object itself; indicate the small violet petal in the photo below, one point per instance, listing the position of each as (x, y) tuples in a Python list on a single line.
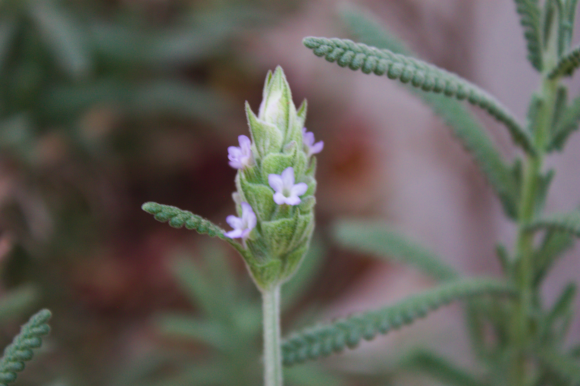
[(275, 182)]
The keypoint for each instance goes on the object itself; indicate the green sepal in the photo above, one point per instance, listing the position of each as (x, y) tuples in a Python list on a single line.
[(277, 107), (307, 204), (303, 230), (266, 137), (301, 115), (311, 171), (312, 184), (265, 274), (260, 198), (276, 164), (278, 234), (293, 261)]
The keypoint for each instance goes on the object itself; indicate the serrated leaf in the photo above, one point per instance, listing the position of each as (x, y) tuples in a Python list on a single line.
[(380, 240), (563, 365), (324, 339), (530, 16), (22, 346), (65, 38), (565, 222), (566, 65), (419, 74), (177, 218), (567, 124), (464, 125)]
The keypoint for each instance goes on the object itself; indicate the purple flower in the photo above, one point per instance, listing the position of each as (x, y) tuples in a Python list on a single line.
[(311, 147), (240, 157), (286, 191), (242, 226)]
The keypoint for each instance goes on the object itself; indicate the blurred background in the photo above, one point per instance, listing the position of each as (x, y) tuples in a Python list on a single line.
[(107, 104)]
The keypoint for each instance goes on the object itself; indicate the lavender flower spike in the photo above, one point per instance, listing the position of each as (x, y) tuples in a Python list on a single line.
[(308, 140), (240, 157), (242, 226), (286, 191)]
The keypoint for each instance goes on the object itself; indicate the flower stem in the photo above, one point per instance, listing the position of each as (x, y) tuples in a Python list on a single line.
[(272, 351)]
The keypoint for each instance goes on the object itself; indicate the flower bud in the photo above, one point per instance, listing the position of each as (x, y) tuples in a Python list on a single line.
[(277, 187)]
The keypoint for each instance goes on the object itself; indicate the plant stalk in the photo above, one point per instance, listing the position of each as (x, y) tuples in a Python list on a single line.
[(522, 329), (272, 336)]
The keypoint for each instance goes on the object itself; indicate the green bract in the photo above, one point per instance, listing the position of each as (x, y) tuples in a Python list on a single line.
[(282, 234), (276, 217)]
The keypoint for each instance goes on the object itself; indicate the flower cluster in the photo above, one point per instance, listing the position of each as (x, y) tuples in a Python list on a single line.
[(275, 185)]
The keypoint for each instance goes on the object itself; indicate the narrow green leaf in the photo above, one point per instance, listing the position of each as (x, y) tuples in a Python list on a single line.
[(419, 74), (550, 13), (464, 125), (567, 64), (560, 316), (441, 369), (294, 289), (503, 257), (530, 16), (196, 286), (178, 218), (66, 39), (567, 124), (22, 346), (560, 106), (188, 327), (553, 246), (324, 339), (377, 239), (565, 222), (563, 365)]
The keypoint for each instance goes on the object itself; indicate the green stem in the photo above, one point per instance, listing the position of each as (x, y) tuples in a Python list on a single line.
[(272, 338), (523, 310)]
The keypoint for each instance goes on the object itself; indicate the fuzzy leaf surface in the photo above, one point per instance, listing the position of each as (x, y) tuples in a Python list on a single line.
[(177, 218), (419, 74), (565, 222), (464, 125), (564, 366), (379, 240), (567, 64), (325, 339), (530, 16), (20, 350), (567, 124)]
